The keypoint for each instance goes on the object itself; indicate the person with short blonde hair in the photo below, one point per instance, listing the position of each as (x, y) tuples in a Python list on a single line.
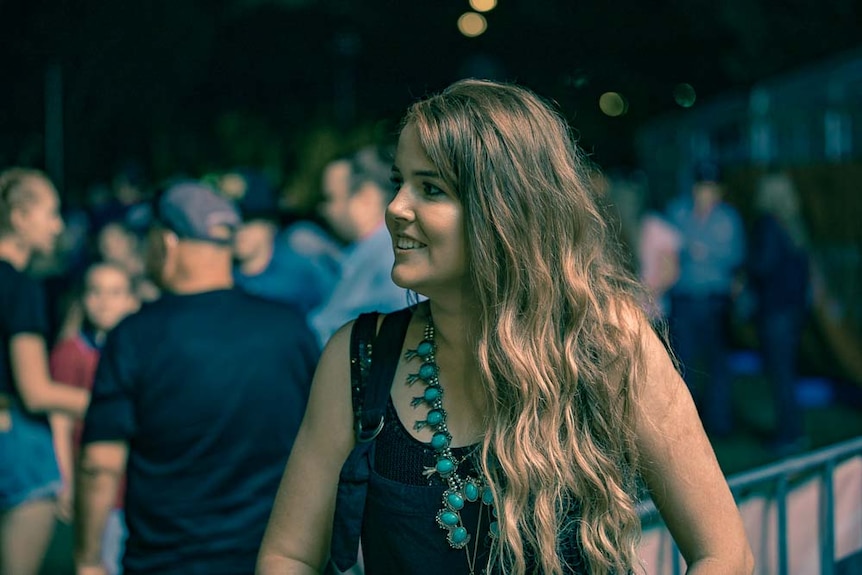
[(29, 479)]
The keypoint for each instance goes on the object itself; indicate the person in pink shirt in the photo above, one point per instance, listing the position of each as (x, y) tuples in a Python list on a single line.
[(108, 297), (658, 257)]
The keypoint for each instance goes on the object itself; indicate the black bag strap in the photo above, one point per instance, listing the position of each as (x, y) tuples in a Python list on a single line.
[(369, 401), (370, 383), (362, 336)]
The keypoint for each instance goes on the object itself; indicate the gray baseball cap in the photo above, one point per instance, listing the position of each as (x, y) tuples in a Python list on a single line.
[(195, 211)]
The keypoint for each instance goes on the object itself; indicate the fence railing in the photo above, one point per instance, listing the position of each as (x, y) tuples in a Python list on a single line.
[(776, 482)]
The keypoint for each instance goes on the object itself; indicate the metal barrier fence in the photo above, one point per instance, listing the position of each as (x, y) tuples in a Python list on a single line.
[(776, 480)]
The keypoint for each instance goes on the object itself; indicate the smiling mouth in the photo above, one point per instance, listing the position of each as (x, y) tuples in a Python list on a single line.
[(408, 244)]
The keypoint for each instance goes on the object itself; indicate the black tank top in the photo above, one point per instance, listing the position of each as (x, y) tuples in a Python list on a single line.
[(400, 534)]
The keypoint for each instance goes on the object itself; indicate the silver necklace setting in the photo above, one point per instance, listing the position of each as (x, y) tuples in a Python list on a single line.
[(461, 490)]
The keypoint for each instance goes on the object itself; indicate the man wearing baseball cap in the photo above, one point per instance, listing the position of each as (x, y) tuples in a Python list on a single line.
[(197, 398)]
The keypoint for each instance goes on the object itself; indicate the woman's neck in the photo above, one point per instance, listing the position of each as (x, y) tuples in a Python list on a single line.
[(14, 252), (459, 372), (451, 324)]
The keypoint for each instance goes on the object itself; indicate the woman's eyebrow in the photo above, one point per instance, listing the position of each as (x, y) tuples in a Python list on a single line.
[(419, 173), (427, 174)]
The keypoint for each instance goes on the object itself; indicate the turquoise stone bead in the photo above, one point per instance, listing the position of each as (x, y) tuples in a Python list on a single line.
[(458, 536), (455, 501), (495, 528), (487, 496), (449, 518), (440, 441), (427, 371), (424, 348), (435, 417), (431, 394), (471, 491), (445, 466)]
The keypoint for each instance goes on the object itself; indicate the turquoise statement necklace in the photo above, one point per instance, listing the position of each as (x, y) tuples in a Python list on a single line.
[(460, 490)]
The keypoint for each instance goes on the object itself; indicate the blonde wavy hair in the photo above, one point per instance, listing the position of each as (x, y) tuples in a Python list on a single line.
[(556, 362)]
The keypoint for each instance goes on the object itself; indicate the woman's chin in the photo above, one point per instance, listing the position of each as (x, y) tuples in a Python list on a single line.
[(404, 280)]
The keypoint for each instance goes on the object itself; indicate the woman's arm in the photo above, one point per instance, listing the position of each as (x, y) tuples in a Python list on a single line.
[(682, 473), (38, 392), (300, 527), (63, 432)]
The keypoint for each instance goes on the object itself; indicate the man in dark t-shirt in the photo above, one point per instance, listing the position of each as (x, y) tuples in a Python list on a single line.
[(198, 398)]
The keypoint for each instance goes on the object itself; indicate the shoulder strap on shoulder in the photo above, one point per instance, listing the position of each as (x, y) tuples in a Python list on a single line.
[(361, 338), (369, 401), (371, 383)]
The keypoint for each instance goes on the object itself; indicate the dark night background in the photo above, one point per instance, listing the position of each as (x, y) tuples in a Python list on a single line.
[(191, 85), (200, 86)]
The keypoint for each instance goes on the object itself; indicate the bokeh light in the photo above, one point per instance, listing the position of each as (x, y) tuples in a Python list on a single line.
[(472, 24), (613, 104), (483, 5), (684, 95)]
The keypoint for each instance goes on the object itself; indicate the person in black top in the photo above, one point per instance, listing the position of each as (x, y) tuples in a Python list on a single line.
[(528, 393), (29, 479), (779, 270), (198, 398)]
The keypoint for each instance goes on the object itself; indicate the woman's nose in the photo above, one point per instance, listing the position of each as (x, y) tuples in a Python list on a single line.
[(400, 207)]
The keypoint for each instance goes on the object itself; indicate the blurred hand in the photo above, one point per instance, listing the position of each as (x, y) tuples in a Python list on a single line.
[(90, 570)]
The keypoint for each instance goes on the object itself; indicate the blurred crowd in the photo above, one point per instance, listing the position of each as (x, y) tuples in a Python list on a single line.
[(706, 270), (229, 301), (295, 258), (110, 258)]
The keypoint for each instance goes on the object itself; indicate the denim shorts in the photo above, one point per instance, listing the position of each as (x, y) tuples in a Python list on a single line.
[(28, 465)]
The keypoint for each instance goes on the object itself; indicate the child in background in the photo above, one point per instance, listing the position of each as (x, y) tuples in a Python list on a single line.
[(108, 297), (121, 245)]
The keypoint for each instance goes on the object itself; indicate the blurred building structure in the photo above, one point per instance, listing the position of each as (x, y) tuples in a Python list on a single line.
[(810, 116)]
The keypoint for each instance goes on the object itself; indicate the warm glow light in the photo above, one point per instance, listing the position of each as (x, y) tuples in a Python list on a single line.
[(613, 104), (471, 24), (684, 95), (483, 5)]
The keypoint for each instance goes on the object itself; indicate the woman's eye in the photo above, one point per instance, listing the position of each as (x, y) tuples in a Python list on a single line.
[(396, 183), (431, 190)]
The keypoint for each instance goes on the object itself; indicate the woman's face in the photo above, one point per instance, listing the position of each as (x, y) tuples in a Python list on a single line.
[(425, 220), (38, 223)]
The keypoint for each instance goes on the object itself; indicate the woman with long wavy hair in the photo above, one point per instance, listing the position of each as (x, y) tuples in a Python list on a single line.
[(524, 400)]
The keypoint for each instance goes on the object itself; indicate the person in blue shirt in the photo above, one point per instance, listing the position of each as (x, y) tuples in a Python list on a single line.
[(298, 265), (712, 251), (356, 191)]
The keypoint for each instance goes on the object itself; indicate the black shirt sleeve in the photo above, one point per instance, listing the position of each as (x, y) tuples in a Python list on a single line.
[(111, 414)]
